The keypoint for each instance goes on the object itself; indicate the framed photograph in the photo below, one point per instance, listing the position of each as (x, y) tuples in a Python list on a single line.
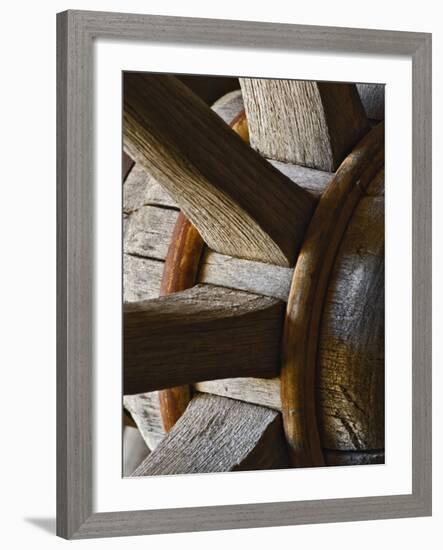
[(244, 274)]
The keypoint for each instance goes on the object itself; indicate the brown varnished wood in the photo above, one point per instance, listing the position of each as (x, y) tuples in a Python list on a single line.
[(179, 273), (241, 205), (306, 298)]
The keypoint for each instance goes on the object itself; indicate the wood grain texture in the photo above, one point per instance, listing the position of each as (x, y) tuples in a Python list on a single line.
[(373, 98), (259, 278), (145, 411), (311, 180), (313, 124), (306, 298), (148, 232), (259, 391), (203, 333), (141, 278), (180, 273), (141, 189), (351, 358), (229, 106), (234, 436), (240, 204)]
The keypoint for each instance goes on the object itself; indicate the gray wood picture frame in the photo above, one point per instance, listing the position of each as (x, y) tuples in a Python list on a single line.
[(76, 31)]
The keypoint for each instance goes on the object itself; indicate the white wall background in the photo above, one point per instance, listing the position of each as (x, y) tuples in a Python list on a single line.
[(27, 133)]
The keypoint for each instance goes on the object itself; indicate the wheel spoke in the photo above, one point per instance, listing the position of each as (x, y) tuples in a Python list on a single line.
[(203, 333), (313, 124), (241, 205)]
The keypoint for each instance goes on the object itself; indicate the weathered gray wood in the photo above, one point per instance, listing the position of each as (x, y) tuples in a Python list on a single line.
[(373, 98), (148, 232), (239, 203), (310, 123), (229, 106), (141, 278), (260, 391), (219, 435), (141, 189), (145, 411), (259, 278), (203, 333), (311, 180), (351, 355)]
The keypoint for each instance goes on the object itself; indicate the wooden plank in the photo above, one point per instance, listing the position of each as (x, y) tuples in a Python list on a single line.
[(373, 98), (203, 333), (229, 106), (257, 277), (141, 189), (148, 232), (308, 290), (313, 124), (260, 391), (240, 204), (219, 435), (351, 355), (145, 411), (311, 180), (180, 273), (141, 278)]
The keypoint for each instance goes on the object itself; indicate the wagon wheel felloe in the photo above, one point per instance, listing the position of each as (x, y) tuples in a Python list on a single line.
[(265, 347)]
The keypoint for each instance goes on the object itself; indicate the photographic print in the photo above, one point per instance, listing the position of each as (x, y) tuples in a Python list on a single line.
[(253, 274)]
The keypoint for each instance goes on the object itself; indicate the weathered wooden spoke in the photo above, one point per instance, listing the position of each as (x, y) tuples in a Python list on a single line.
[(317, 123), (241, 205), (203, 333), (233, 435)]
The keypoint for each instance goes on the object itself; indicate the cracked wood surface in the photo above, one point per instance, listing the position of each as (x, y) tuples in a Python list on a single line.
[(299, 376), (309, 123), (217, 434)]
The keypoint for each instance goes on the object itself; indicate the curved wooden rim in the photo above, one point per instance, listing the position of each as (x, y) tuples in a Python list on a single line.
[(306, 296), (179, 273)]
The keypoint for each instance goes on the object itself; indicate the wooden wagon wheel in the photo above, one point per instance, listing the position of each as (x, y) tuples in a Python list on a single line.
[(314, 212)]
